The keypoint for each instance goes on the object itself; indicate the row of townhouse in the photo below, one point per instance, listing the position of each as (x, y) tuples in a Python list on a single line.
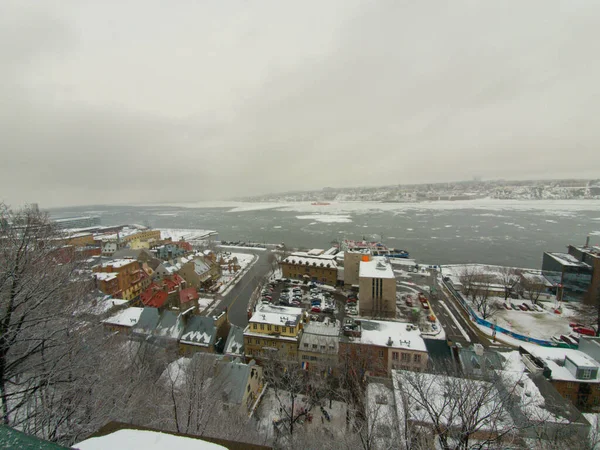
[(372, 347)]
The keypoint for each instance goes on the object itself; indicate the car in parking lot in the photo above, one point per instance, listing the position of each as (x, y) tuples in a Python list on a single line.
[(425, 305), (315, 308)]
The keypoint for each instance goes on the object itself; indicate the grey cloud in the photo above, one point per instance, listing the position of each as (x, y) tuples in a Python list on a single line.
[(230, 99)]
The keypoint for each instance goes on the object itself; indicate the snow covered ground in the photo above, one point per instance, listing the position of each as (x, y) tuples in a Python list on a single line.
[(147, 440), (541, 325), (269, 411), (326, 218), (228, 279)]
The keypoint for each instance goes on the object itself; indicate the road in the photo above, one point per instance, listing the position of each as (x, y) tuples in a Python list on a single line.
[(237, 299), (445, 316)]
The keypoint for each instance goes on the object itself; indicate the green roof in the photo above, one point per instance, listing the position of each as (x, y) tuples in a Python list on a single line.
[(11, 438)]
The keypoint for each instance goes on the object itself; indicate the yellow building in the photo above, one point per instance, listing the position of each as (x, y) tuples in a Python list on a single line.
[(322, 268), (144, 235), (130, 279), (273, 329), (77, 239), (138, 244)]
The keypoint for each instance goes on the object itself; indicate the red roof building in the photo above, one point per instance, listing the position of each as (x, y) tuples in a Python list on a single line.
[(154, 296), (188, 295)]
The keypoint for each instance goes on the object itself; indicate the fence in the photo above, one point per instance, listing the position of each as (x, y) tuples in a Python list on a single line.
[(486, 323)]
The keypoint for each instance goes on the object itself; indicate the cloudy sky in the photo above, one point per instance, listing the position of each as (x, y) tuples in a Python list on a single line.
[(152, 101)]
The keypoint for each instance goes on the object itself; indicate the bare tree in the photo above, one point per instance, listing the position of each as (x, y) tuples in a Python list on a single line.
[(509, 279), (482, 298), (468, 278), (532, 288), (39, 281)]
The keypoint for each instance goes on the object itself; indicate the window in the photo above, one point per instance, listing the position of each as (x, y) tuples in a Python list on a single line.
[(268, 327), (586, 374), (315, 346), (276, 327), (257, 341), (405, 357), (305, 345), (417, 358), (283, 329), (381, 353), (395, 356), (254, 326), (262, 326)]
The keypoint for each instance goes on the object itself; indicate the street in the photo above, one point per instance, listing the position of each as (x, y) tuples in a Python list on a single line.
[(237, 298)]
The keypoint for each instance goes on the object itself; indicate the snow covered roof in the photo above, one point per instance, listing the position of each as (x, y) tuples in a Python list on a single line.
[(148, 321), (199, 330), (437, 390), (376, 268), (315, 261), (235, 341), (316, 251), (379, 332), (277, 315), (567, 260), (231, 379), (324, 335), (169, 326), (148, 440), (105, 276), (118, 263), (128, 317), (554, 358)]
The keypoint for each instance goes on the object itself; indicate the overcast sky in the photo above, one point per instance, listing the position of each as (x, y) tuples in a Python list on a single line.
[(145, 101)]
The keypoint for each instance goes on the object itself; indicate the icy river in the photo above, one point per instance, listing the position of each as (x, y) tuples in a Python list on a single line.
[(506, 232)]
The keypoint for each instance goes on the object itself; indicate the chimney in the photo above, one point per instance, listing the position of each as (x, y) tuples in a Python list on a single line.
[(587, 242)]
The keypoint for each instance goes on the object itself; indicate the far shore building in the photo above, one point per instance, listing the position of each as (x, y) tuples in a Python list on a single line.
[(314, 267), (377, 288)]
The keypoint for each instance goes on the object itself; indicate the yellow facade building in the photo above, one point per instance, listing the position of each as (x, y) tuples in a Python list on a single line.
[(322, 268), (274, 329)]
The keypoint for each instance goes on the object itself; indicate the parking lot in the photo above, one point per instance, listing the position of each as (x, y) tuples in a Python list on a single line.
[(312, 297)]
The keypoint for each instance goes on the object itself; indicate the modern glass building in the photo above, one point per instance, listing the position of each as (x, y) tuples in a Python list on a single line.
[(563, 269)]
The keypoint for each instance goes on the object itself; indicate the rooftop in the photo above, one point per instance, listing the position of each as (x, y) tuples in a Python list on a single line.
[(554, 358), (376, 268), (105, 276), (235, 341), (277, 315), (128, 317), (199, 330), (389, 334), (315, 261), (567, 260), (117, 263)]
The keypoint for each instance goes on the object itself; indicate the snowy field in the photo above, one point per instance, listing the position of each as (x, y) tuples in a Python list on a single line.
[(147, 440), (269, 411), (542, 325)]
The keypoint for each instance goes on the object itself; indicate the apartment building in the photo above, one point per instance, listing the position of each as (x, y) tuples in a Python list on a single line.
[(303, 265), (377, 288), (121, 278), (377, 347), (274, 329), (319, 345)]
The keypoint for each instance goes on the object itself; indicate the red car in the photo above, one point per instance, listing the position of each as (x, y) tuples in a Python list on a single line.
[(575, 324), (584, 330), (522, 308), (315, 309)]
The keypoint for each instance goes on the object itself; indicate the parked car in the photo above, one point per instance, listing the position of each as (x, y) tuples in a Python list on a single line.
[(585, 330), (575, 324), (522, 308), (575, 338), (433, 326), (315, 308), (425, 305), (295, 303), (568, 340), (526, 306), (506, 306), (268, 297)]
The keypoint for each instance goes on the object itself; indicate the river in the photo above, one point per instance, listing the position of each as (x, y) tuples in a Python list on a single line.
[(492, 232)]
